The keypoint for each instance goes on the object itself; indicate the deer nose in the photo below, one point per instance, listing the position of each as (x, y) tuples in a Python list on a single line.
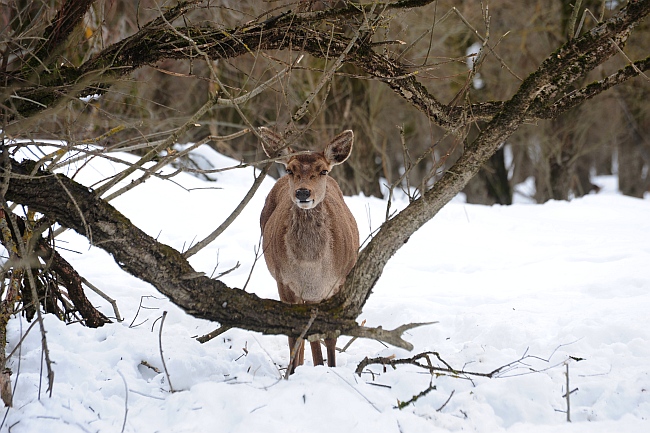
[(302, 194)]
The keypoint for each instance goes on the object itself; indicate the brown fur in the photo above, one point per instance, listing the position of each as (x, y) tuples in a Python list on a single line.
[(309, 247)]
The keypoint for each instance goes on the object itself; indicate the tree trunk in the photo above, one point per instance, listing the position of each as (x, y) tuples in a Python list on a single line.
[(491, 185), (633, 152), (631, 165)]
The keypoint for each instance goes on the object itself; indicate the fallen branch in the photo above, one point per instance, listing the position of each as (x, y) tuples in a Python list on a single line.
[(437, 366), (56, 264), (402, 404), (162, 357), (445, 369), (210, 335)]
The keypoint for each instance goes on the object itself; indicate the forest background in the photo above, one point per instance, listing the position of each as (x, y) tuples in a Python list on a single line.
[(439, 43)]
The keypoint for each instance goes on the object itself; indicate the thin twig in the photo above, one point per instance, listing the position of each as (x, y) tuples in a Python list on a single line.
[(572, 20), (258, 251), (352, 340), (240, 207), (227, 271), (108, 299), (356, 389), (22, 338), (568, 395), (141, 307), (126, 400), (402, 404), (209, 336), (89, 233), (299, 342), (162, 358), (446, 401), (478, 35), (105, 135)]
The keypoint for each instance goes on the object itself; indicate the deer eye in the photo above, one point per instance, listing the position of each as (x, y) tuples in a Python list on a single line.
[(289, 171), (323, 173)]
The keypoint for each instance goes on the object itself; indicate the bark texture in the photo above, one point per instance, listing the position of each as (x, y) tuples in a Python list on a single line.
[(542, 94), (158, 40), (540, 89), (75, 206)]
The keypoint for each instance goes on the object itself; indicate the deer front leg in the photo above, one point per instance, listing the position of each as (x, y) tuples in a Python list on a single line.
[(296, 353), (316, 352), (330, 344)]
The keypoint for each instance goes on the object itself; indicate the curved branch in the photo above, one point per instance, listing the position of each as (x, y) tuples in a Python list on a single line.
[(577, 97), (538, 87), (157, 41), (167, 270)]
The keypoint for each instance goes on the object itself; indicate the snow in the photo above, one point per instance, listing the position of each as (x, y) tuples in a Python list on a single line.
[(554, 284)]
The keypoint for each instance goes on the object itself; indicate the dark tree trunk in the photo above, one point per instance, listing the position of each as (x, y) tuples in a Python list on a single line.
[(561, 171), (491, 185), (633, 152), (631, 167), (582, 184), (361, 172), (564, 151)]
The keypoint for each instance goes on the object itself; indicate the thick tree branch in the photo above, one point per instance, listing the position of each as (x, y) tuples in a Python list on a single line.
[(157, 41), (593, 48), (485, 111), (68, 17), (578, 96), (75, 206)]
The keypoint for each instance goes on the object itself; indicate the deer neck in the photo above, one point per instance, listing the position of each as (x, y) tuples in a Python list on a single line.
[(308, 233)]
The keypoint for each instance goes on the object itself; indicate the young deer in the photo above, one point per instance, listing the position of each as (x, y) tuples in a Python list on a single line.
[(310, 236)]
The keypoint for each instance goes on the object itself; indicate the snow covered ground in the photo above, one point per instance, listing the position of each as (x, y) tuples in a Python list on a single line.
[(552, 283)]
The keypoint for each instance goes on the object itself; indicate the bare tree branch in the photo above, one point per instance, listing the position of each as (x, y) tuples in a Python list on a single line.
[(68, 17), (156, 41), (167, 270), (583, 53), (240, 207), (578, 96)]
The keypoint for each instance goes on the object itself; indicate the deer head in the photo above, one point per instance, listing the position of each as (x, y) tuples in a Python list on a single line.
[(307, 172)]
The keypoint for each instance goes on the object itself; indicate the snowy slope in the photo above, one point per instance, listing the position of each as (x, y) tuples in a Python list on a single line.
[(543, 282)]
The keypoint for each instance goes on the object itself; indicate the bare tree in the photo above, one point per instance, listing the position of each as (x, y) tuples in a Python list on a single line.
[(39, 85)]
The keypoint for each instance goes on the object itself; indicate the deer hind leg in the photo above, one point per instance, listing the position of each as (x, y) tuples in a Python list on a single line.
[(330, 343), (296, 353), (316, 352)]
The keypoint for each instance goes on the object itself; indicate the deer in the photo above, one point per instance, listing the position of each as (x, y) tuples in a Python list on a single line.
[(310, 238)]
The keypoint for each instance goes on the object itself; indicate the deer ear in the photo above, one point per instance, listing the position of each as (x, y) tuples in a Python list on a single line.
[(339, 149), (274, 146)]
